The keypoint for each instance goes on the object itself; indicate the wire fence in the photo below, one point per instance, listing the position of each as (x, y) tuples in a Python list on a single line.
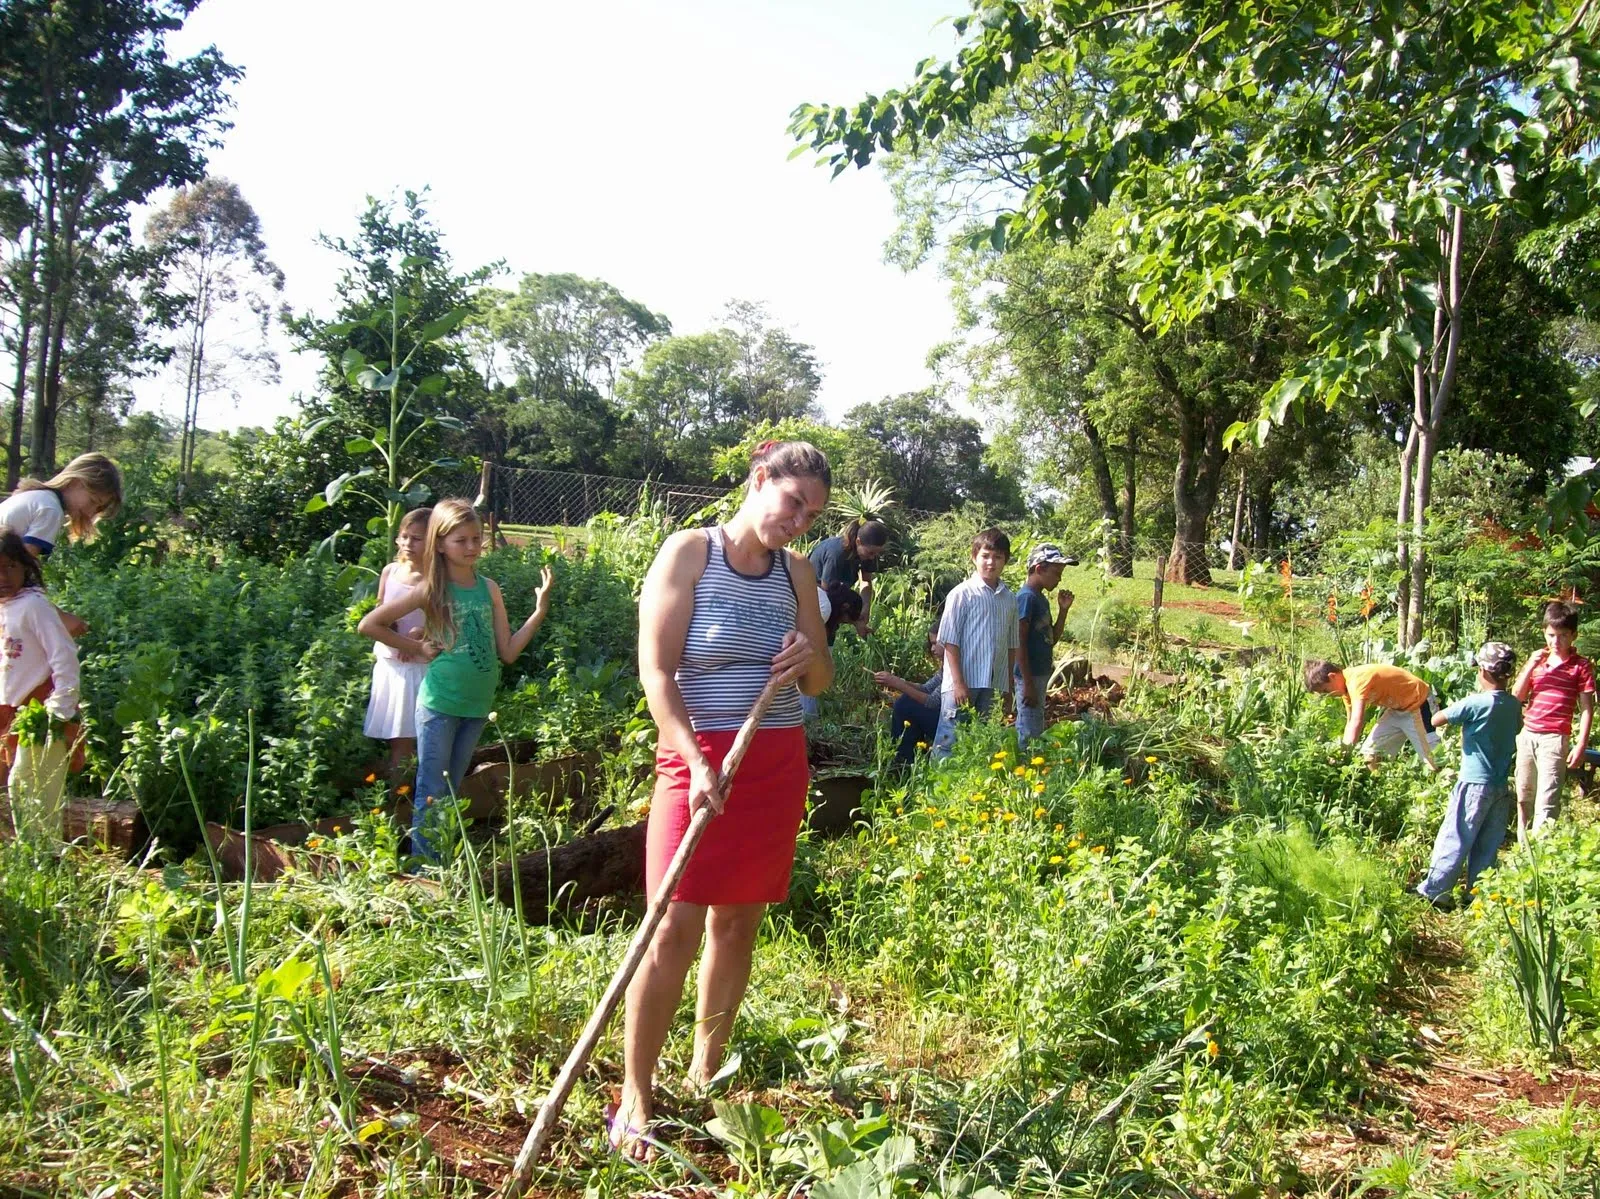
[(518, 495)]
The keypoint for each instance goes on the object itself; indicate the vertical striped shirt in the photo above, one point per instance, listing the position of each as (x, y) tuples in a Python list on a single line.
[(982, 621), (738, 627)]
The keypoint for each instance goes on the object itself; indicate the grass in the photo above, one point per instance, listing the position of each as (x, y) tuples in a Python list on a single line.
[(1119, 967)]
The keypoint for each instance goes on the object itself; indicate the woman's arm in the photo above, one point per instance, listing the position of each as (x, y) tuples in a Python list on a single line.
[(805, 650), (510, 645), (379, 625), (666, 605), (895, 683), (63, 658)]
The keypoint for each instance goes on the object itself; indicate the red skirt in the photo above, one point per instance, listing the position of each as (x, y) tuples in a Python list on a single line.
[(747, 852)]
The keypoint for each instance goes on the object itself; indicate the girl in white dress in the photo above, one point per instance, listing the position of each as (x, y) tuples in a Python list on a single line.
[(396, 675)]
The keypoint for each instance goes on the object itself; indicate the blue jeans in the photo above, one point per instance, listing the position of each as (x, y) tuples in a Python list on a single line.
[(1474, 825), (1030, 720), (911, 722), (444, 751), (979, 700)]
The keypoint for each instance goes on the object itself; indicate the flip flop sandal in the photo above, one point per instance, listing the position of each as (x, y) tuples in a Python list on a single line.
[(621, 1136)]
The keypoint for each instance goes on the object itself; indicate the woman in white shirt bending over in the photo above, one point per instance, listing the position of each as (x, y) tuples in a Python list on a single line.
[(37, 662), (78, 496)]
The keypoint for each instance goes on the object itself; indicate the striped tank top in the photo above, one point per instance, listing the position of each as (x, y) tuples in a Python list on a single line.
[(738, 626)]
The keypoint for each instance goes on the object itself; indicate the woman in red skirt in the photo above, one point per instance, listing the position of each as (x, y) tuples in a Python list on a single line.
[(723, 610)]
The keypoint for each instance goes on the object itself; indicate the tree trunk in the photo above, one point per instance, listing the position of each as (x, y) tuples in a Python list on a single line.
[(18, 399), (1122, 562), (1194, 494), (610, 862), (1238, 525), (1119, 561), (1259, 505), (1408, 470), (1431, 389)]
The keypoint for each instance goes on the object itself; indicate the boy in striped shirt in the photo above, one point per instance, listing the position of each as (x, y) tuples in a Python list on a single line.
[(1556, 682), (979, 635)]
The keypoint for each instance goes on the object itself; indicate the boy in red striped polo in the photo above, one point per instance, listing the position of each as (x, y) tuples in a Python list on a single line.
[(1555, 682)]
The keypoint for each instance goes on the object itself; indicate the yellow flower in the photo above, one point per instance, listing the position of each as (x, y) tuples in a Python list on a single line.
[(1038, 761), (1212, 1048), (891, 840), (1097, 849), (1038, 812), (1154, 909), (1074, 843), (1001, 754), (938, 823), (1038, 789), (899, 811), (403, 789), (337, 829), (1056, 859), (313, 842), (964, 860), (1127, 782), (1474, 891), (982, 817), (997, 765), (908, 725), (1061, 828), (922, 745), (931, 810), (377, 811), (1020, 771), (1151, 759), (1009, 817)]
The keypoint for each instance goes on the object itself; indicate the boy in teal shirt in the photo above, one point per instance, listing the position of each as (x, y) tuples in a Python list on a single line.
[(1479, 813)]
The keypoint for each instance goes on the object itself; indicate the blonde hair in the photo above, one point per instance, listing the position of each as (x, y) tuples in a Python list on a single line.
[(417, 516), (439, 621), (103, 479)]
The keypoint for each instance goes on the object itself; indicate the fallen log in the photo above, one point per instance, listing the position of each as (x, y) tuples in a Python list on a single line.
[(610, 862)]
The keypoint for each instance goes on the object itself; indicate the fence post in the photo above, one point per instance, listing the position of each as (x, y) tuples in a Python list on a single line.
[(1161, 583)]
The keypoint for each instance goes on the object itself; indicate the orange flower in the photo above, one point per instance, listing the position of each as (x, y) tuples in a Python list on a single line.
[(372, 778), (1368, 603), (1333, 607), (403, 789)]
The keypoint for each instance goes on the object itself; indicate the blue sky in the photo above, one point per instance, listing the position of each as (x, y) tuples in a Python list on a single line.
[(641, 143)]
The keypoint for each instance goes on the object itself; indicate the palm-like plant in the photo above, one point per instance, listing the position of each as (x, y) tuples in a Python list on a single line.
[(871, 501)]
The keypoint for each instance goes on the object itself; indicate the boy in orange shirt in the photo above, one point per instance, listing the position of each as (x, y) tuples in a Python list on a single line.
[(1408, 705)]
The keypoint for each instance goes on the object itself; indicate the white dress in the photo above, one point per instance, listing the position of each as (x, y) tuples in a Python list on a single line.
[(392, 710)]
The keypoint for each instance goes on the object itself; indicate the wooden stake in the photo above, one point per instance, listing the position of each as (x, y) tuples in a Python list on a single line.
[(1161, 583), (550, 1110)]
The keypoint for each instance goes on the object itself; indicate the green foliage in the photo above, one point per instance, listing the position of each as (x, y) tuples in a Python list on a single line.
[(1533, 926)]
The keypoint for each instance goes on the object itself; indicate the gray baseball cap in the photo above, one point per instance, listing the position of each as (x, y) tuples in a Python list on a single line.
[(1496, 659), (1049, 554)]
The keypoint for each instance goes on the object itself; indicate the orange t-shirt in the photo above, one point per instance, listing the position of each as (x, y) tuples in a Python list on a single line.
[(1380, 686)]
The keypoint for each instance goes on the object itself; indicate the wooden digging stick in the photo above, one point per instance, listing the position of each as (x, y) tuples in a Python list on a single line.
[(550, 1110)]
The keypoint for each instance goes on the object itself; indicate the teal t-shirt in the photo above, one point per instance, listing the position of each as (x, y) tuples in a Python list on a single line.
[(1489, 723), (462, 680)]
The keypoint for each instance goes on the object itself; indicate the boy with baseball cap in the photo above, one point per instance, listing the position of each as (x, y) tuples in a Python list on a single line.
[(1479, 812), (1037, 635)]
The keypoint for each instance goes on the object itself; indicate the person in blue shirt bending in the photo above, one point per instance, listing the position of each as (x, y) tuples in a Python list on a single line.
[(1479, 812)]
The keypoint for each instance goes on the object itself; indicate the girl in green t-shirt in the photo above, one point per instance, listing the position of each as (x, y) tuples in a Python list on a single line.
[(465, 637)]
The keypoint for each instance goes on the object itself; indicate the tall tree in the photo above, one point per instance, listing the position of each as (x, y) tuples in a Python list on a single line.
[(778, 375), (932, 455), (1257, 145), (97, 119), (210, 239), (682, 404), (557, 347)]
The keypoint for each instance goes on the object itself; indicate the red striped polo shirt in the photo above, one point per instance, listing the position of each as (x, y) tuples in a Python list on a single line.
[(1554, 695)]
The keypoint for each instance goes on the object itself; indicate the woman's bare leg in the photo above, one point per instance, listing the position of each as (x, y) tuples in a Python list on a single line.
[(400, 748), (653, 997), (724, 975)]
